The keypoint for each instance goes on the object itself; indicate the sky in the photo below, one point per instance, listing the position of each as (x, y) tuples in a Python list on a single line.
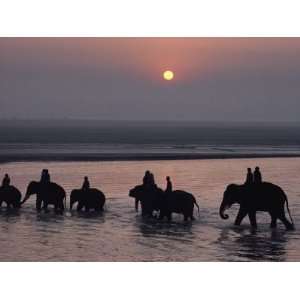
[(216, 79)]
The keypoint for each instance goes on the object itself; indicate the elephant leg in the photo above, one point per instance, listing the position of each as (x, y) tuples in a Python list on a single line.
[(136, 205), (45, 207), (239, 218), (169, 217), (286, 222), (38, 204), (97, 208), (252, 218), (161, 215), (273, 221)]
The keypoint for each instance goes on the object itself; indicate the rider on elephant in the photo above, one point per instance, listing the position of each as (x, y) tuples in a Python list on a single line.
[(169, 185), (257, 175), (148, 179), (249, 178), (6, 181), (45, 176), (86, 183)]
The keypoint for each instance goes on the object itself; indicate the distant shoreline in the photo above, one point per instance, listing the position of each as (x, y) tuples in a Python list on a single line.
[(138, 157)]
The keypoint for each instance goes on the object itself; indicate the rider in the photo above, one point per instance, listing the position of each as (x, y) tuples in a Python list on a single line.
[(169, 185), (45, 176), (6, 181), (86, 183), (249, 178), (148, 179), (257, 175)]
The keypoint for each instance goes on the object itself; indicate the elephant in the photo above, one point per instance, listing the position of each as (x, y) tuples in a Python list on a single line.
[(149, 196), (263, 196), (47, 193), (11, 196), (88, 199), (155, 199), (180, 202)]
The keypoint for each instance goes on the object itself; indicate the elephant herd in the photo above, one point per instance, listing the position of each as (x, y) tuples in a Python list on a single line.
[(53, 194), (157, 203)]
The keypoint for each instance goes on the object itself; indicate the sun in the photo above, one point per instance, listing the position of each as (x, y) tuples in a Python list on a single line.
[(168, 75)]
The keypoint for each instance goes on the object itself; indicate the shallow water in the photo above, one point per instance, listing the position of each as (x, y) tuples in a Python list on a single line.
[(120, 234)]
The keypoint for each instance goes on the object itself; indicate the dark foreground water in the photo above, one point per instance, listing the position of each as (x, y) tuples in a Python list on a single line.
[(120, 234)]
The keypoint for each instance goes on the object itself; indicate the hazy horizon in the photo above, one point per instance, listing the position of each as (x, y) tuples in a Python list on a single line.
[(216, 79)]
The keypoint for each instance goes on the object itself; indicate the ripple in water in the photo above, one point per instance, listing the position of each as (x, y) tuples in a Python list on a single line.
[(119, 234)]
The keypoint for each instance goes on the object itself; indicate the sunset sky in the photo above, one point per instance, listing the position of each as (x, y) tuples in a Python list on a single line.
[(217, 79)]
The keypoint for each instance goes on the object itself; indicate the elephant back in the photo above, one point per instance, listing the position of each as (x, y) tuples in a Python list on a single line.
[(179, 195), (52, 190), (11, 192), (266, 190), (179, 200), (97, 195), (57, 189)]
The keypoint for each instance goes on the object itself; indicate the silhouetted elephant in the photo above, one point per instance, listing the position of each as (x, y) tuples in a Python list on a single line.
[(11, 196), (179, 202), (149, 196), (88, 199), (46, 193), (257, 197)]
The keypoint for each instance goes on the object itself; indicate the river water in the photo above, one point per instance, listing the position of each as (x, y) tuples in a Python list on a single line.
[(120, 234)]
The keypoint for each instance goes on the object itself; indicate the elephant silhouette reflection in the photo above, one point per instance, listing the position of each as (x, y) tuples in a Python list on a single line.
[(253, 246)]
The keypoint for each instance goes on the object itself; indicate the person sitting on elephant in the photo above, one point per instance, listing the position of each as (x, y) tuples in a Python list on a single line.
[(6, 181), (169, 185), (151, 180), (257, 175), (45, 176), (148, 179), (86, 184), (249, 178)]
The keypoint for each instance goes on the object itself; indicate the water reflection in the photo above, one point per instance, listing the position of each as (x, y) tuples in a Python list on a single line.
[(253, 245), (119, 234), (152, 227)]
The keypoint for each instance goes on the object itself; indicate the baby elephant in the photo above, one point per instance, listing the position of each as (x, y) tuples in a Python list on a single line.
[(88, 199)]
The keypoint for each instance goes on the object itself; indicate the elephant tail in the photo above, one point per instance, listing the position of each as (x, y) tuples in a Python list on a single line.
[(195, 202), (288, 210), (65, 201)]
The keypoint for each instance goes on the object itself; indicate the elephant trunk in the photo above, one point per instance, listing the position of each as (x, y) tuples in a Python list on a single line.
[(223, 207), (25, 198)]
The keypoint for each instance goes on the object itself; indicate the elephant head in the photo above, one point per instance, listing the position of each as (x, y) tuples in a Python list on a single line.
[(137, 192), (231, 196), (32, 188), (75, 197)]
